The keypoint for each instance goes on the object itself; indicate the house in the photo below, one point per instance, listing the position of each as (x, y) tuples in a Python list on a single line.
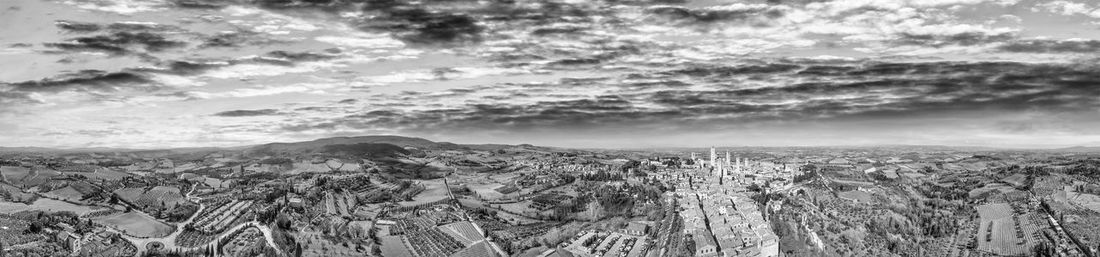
[(637, 228)]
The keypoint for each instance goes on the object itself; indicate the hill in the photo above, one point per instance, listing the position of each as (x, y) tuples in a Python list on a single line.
[(324, 144)]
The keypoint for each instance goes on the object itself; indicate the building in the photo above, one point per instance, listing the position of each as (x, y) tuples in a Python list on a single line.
[(637, 228)]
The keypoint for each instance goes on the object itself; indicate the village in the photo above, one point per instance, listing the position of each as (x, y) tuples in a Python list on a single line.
[(419, 198)]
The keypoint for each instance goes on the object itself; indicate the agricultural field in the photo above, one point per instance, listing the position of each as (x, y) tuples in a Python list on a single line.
[(392, 245), (856, 195), (14, 194), (193, 238), (1003, 232), (220, 215), (486, 191), (101, 174), (159, 196), (521, 207), (315, 244), (135, 224), (340, 204), (46, 204), (67, 193), (434, 191), (13, 174), (991, 187), (27, 177), (1088, 201)]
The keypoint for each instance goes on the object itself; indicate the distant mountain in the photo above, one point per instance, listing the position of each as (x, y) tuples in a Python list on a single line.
[(372, 145), (386, 139), (1078, 149)]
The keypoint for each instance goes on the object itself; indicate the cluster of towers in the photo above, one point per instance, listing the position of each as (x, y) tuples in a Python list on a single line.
[(721, 167)]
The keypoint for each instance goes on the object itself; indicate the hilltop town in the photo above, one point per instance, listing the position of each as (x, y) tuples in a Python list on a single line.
[(400, 196)]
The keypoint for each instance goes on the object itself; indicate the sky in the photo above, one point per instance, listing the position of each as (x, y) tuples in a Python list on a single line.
[(568, 73)]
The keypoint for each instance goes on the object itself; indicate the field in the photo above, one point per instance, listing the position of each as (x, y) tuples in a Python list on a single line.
[(101, 174), (521, 207), (27, 177), (192, 238), (244, 243), (1090, 201), (392, 245), (14, 194), (220, 215), (1003, 233), (339, 204), (160, 196), (135, 224), (67, 193), (856, 195), (319, 246), (434, 191), (486, 191), (1002, 188), (45, 204), (13, 173)]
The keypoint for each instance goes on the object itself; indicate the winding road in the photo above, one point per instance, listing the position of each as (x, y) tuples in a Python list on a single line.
[(169, 241)]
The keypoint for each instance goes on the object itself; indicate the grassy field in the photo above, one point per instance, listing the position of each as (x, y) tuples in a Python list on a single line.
[(135, 224), (990, 187), (13, 174), (67, 193), (101, 174), (434, 191), (14, 194), (1090, 201), (486, 191), (45, 204), (27, 177), (313, 244), (392, 245), (161, 196)]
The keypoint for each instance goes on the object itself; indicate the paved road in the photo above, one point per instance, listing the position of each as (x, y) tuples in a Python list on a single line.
[(169, 241)]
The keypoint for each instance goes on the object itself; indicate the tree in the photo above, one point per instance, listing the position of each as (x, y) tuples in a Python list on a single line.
[(283, 221), (35, 227)]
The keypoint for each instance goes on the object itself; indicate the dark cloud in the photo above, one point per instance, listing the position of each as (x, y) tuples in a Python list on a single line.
[(1052, 46), (558, 31), (119, 43), (79, 27), (842, 91), (185, 67), (288, 57), (753, 15), (416, 24), (957, 39), (141, 27), (200, 4), (14, 98), (726, 71), (227, 39), (95, 80), (238, 39), (247, 113), (194, 67), (461, 22)]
